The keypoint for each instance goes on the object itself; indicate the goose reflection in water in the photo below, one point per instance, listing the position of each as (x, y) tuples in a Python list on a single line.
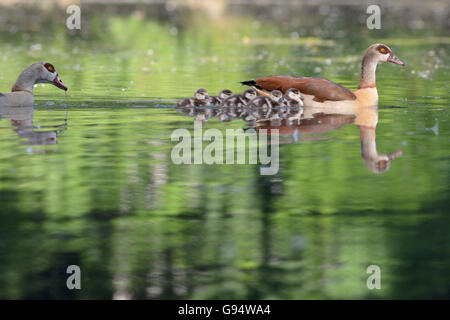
[(22, 121), (311, 121)]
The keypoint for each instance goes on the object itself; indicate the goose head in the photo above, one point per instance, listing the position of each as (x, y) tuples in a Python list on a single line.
[(249, 94), (225, 94), (378, 52), (41, 72), (374, 55), (381, 163), (294, 94), (276, 95), (201, 94)]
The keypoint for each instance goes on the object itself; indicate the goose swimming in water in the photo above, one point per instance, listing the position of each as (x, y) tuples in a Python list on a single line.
[(319, 92), (22, 91)]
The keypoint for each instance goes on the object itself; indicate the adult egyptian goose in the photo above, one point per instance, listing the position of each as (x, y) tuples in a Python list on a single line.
[(322, 92), (22, 91)]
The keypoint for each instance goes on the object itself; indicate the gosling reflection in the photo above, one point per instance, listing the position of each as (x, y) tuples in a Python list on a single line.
[(297, 123), (199, 113), (22, 121), (258, 109)]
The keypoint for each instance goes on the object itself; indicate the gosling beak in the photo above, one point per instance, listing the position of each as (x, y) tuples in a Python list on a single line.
[(57, 82), (395, 60)]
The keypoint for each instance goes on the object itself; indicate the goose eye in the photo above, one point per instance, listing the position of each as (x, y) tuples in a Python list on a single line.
[(383, 50), (49, 67)]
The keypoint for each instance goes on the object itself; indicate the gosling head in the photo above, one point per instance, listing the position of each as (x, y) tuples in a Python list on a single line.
[(249, 94), (225, 94), (201, 94), (293, 94), (276, 95)]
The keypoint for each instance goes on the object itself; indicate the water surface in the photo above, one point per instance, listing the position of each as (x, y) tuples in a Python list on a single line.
[(86, 176)]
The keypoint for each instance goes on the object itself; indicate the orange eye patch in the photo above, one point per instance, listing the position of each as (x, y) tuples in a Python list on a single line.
[(383, 50), (49, 67)]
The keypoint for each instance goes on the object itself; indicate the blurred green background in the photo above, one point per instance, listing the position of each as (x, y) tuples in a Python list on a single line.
[(108, 198)]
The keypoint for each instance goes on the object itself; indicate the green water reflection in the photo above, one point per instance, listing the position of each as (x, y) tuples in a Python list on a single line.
[(86, 177)]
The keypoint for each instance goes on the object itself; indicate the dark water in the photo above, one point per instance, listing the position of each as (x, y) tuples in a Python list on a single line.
[(86, 178)]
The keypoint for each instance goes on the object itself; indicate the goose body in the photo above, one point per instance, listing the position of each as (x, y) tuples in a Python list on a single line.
[(319, 92), (18, 98), (22, 91)]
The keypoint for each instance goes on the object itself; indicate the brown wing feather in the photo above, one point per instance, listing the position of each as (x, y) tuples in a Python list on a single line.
[(321, 89)]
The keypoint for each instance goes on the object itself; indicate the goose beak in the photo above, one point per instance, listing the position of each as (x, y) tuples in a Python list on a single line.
[(57, 82), (396, 154), (395, 60)]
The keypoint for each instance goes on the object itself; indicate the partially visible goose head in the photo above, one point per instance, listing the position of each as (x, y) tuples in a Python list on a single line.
[(201, 94), (375, 54), (41, 72)]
